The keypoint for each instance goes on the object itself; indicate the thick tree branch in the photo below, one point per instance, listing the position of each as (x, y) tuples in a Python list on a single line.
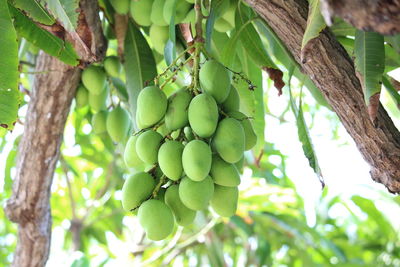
[(332, 71), (381, 16)]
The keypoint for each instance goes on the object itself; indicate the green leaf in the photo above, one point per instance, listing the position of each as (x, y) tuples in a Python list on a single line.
[(391, 90), (120, 88), (9, 94), (66, 12), (170, 47), (315, 23), (342, 28), (140, 66), (394, 41), (46, 41), (369, 61), (34, 10)]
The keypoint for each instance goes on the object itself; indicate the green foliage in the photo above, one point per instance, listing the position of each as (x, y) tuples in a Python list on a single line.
[(35, 10), (315, 23), (65, 11)]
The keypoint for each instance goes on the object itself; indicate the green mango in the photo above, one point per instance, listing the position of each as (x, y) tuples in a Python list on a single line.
[(203, 115), (182, 8), (239, 164), (162, 130), (176, 116), (232, 102), (147, 146), (99, 122), (82, 96), (141, 11), (120, 6), (190, 17), (113, 66), (224, 173), (118, 123), (98, 102), (196, 160), (131, 157), (170, 159), (94, 79), (156, 218), (157, 13), (188, 133), (196, 195), (250, 135), (159, 36), (183, 215), (136, 189), (151, 106), (229, 140), (224, 200), (215, 80)]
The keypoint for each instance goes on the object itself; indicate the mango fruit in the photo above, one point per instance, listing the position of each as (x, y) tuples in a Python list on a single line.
[(156, 218), (141, 10), (232, 102), (239, 164), (99, 122), (224, 200), (182, 8), (118, 124), (196, 195), (136, 189), (224, 173), (203, 115), (151, 106), (183, 215), (170, 159), (188, 133), (159, 36), (120, 6), (215, 80), (113, 66), (176, 116), (131, 157), (81, 97), (157, 13), (196, 160), (98, 102), (229, 140), (94, 79), (147, 146), (250, 135)]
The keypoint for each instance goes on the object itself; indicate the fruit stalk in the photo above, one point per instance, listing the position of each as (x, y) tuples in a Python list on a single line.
[(198, 44)]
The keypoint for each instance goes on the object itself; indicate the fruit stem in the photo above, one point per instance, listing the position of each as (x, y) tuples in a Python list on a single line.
[(198, 45), (175, 72), (158, 186)]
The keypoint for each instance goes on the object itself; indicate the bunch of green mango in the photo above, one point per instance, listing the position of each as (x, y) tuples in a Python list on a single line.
[(193, 145)]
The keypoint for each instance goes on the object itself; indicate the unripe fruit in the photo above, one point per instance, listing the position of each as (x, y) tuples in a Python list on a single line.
[(188, 133), (229, 140), (118, 123), (94, 79), (131, 158), (157, 13), (182, 8), (224, 173), (239, 164), (147, 146), (190, 17), (141, 10), (196, 160), (215, 80), (203, 115), (224, 200), (170, 159), (99, 102), (176, 116), (159, 36), (99, 122), (151, 106), (232, 102), (250, 135), (136, 189), (196, 195), (113, 66), (120, 6), (183, 215), (156, 218), (81, 97)]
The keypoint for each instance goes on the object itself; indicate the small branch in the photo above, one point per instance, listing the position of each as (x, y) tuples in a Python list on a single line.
[(65, 169)]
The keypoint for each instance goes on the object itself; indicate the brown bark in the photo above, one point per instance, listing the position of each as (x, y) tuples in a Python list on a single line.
[(332, 71), (39, 149), (381, 16)]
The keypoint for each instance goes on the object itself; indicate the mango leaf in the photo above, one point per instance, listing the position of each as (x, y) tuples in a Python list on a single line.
[(342, 28), (394, 41), (209, 29), (315, 23), (34, 10), (369, 53), (46, 41), (170, 47), (391, 90), (9, 94), (140, 65), (65, 11)]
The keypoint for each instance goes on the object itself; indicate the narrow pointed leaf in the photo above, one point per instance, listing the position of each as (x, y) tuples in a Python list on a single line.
[(34, 10), (65, 11), (170, 47), (394, 94), (315, 23)]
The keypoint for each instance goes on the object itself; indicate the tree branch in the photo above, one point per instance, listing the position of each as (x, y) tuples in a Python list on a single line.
[(332, 71)]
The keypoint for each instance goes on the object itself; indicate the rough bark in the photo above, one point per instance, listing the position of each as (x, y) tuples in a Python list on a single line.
[(381, 16), (39, 148), (332, 71)]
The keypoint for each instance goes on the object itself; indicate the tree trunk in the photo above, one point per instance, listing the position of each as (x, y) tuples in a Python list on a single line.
[(39, 149), (332, 71)]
